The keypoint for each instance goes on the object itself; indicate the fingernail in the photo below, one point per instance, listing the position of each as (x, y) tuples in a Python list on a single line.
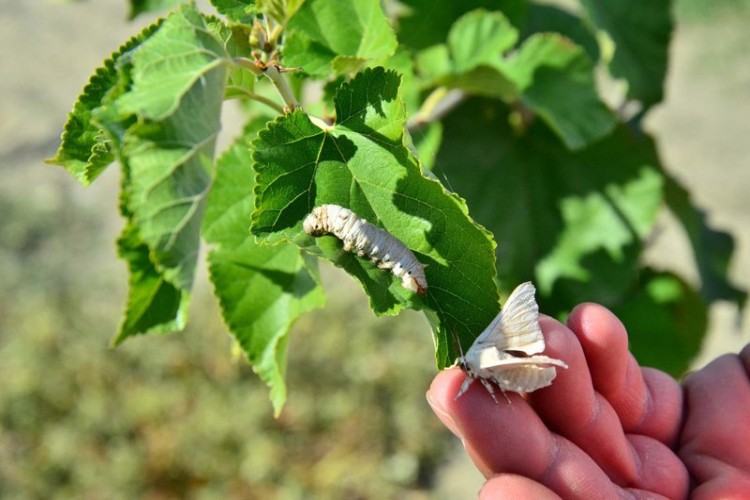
[(444, 416)]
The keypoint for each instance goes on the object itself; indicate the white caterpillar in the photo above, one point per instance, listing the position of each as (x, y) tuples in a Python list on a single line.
[(369, 241), (507, 351)]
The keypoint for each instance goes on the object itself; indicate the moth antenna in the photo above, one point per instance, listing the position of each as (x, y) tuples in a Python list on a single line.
[(457, 341)]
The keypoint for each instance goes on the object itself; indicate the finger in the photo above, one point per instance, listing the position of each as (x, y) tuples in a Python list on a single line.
[(510, 438), (474, 409), (572, 408), (646, 401), (715, 436), (660, 471), (516, 487), (605, 343), (631, 461), (662, 407)]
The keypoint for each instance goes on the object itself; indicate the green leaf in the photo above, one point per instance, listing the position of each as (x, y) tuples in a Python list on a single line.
[(712, 249), (666, 322), (423, 23), (427, 143), (559, 218), (154, 305), (470, 60), (235, 38), (544, 68), (611, 219), (167, 165), (138, 7), (552, 19), (239, 11), (361, 163), (84, 149), (479, 38), (641, 31), (262, 289), (549, 66), (280, 10), (171, 63), (341, 35), (170, 159), (402, 63)]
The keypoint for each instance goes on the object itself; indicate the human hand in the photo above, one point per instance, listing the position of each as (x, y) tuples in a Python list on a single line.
[(607, 428)]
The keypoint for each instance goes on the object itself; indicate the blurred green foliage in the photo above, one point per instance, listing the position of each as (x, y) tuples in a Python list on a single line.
[(175, 416)]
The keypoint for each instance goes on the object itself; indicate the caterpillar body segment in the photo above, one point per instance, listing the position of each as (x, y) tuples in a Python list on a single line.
[(368, 241)]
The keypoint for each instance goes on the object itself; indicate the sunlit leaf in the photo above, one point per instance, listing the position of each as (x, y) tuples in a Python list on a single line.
[(154, 305), (240, 11), (548, 67), (362, 163), (557, 217), (641, 31), (477, 59), (544, 18), (423, 23), (84, 149), (165, 143), (324, 35), (479, 38), (262, 289), (171, 63), (280, 10)]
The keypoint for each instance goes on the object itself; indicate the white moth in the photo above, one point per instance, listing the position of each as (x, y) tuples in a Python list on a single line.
[(369, 241), (507, 351)]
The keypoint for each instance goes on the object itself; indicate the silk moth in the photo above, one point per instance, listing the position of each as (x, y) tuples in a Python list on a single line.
[(368, 241), (507, 351)]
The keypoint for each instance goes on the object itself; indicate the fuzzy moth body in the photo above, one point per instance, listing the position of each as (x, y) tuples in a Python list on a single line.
[(507, 352), (368, 241)]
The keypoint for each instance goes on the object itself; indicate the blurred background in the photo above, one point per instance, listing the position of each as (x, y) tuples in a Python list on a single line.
[(178, 416)]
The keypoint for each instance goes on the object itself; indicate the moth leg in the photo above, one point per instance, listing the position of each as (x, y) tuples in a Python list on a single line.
[(487, 385), (464, 387), (506, 396)]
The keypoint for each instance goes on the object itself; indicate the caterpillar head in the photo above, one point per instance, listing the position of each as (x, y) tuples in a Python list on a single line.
[(413, 283)]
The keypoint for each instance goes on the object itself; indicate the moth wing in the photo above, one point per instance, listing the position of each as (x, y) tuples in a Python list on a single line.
[(516, 373), (525, 378), (516, 327), (495, 360)]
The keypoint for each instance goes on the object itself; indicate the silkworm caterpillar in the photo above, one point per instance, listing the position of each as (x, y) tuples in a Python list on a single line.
[(368, 241)]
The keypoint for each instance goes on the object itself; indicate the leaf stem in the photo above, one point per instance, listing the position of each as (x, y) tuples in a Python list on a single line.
[(441, 101), (275, 74), (259, 98)]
